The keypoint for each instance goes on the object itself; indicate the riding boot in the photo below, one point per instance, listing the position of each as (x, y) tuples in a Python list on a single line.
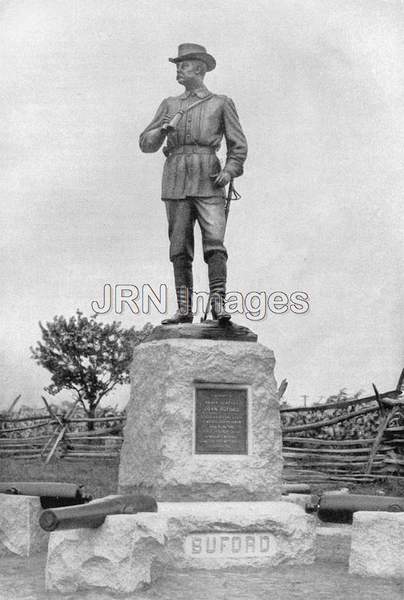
[(217, 271), (183, 288), (219, 312), (184, 310)]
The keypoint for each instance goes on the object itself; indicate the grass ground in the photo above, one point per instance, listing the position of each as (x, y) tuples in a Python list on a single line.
[(23, 579), (99, 476)]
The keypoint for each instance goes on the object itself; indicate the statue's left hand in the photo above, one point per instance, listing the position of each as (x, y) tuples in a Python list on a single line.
[(222, 179)]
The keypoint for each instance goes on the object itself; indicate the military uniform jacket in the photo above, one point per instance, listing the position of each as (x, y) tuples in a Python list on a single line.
[(191, 148)]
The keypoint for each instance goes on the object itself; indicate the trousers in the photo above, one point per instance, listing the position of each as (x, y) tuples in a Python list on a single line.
[(181, 216)]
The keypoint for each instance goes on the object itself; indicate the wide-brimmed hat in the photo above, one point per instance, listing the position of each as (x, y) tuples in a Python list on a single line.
[(194, 52)]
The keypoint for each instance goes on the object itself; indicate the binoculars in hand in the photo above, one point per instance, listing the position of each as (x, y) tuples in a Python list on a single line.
[(172, 125)]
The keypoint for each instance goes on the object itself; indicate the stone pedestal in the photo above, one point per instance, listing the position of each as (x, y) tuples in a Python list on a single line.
[(203, 422), (128, 552), (377, 546), (20, 532)]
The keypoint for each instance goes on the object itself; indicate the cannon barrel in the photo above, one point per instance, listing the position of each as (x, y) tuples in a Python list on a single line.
[(295, 488), (339, 508), (93, 514), (51, 493)]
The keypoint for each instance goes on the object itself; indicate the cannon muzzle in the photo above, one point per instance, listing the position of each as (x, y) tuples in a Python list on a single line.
[(339, 508)]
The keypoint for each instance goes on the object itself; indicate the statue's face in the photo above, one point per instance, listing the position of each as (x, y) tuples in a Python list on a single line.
[(188, 70)]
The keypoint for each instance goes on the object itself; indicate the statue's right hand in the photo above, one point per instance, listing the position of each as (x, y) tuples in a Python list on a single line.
[(165, 121)]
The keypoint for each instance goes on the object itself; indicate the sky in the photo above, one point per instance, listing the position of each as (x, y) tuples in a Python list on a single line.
[(319, 88)]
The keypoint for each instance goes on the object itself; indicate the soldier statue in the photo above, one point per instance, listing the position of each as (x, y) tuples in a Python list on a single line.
[(193, 187)]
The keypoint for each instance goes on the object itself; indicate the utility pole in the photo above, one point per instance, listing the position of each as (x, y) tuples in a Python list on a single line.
[(305, 397)]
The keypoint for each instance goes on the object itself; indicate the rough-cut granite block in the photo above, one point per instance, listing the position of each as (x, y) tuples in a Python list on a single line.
[(300, 499), (377, 544), (20, 532), (128, 552), (158, 449), (215, 535), (121, 556)]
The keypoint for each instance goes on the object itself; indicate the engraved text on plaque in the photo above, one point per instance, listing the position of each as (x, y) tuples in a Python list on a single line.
[(221, 421)]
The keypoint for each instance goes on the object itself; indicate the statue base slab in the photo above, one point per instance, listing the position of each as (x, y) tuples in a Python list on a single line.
[(208, 330)]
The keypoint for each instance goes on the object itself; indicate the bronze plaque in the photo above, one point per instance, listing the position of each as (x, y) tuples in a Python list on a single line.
[(221, 421)]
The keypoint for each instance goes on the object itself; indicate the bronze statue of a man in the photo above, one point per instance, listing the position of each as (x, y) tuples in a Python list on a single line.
[(193, 125)]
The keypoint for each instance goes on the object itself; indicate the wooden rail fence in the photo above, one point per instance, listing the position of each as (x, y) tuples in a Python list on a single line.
[(311, 457), (311, 453)]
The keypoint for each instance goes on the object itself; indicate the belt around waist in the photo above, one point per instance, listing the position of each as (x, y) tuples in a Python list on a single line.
[(192, 149)]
